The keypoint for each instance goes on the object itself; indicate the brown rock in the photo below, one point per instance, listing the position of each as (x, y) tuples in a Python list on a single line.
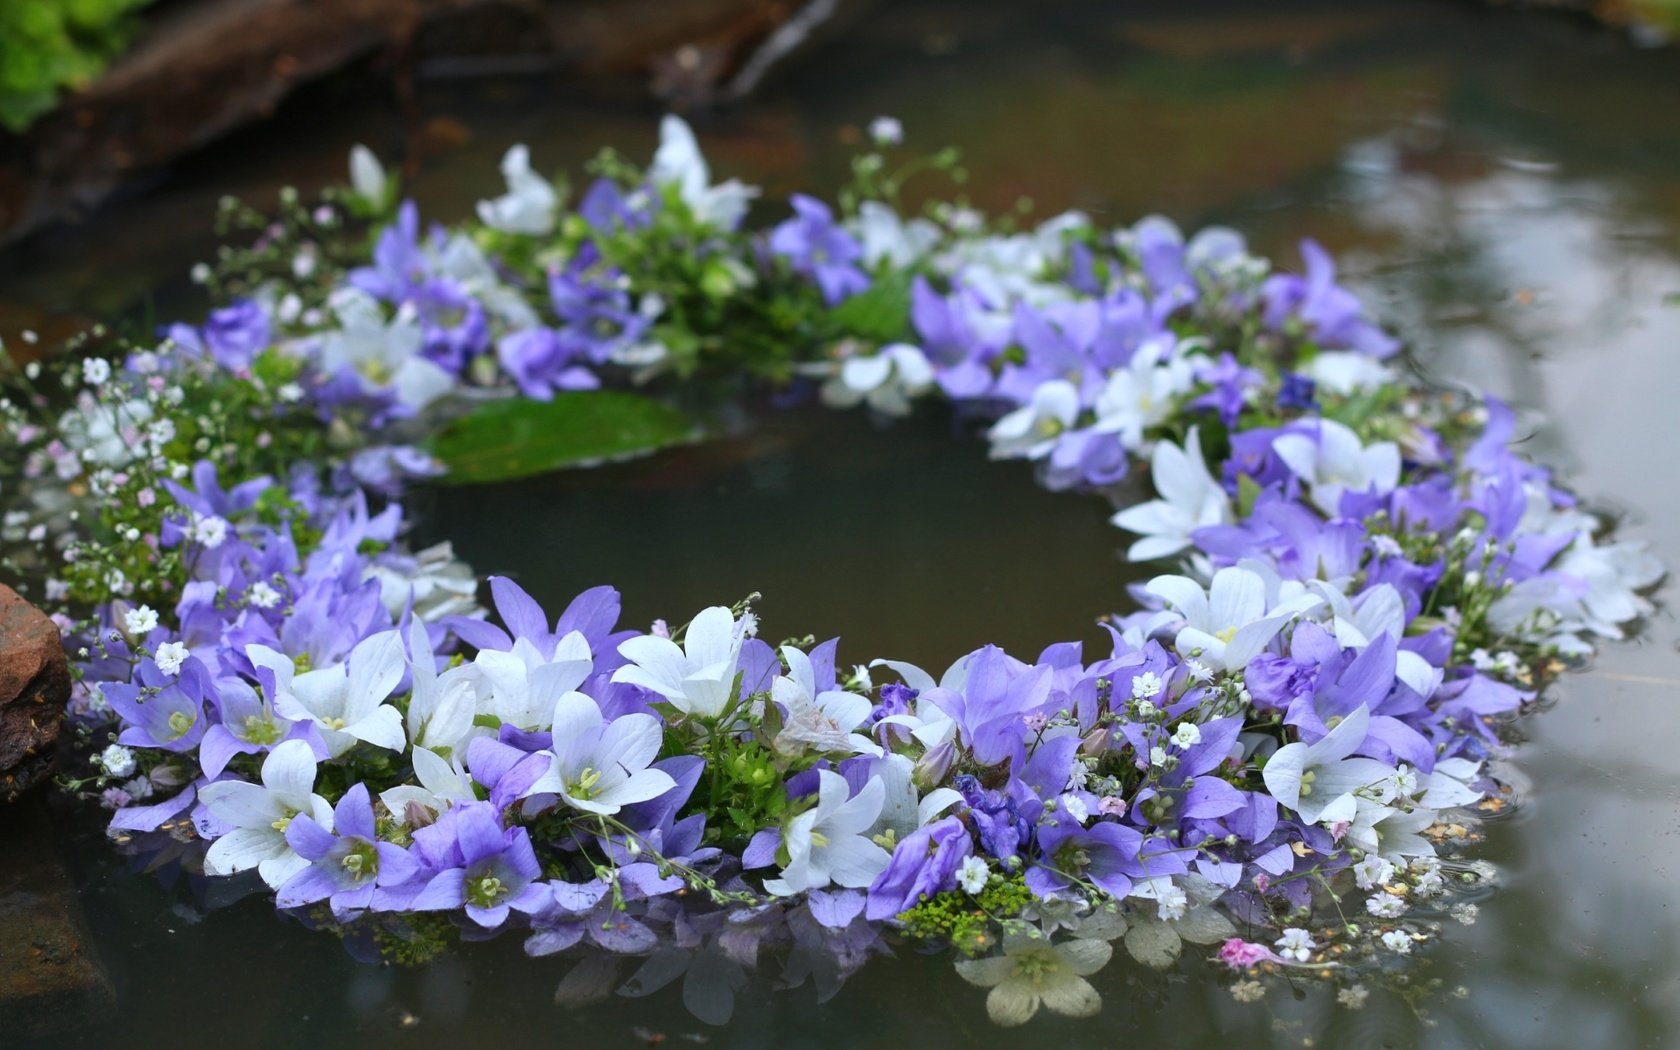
[(34, 687), (51, 980)]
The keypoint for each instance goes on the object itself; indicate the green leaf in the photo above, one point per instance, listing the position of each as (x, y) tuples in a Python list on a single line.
[(880, 315), (519, 437)]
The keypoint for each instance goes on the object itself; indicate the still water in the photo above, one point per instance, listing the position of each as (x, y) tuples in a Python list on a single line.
[(1506, 186)]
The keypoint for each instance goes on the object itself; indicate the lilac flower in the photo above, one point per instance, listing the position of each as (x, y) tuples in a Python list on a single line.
[(820, 249), (925, 863), (1332, 315), (348, 866), (479, 866), (1297, 391), (997, 820), (1106, 855), (237, 333)]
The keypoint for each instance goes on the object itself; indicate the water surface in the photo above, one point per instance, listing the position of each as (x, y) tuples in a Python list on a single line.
[(1506, 187)]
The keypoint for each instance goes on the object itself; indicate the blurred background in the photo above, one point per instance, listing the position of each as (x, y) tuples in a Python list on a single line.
[(1502, 182)]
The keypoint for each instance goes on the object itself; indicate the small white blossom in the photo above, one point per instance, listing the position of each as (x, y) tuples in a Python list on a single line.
[(1188, 734), (1157, 756), (1386, 546), (263, 596), (1171, 902), (95, 371), (886, 131), (1145, 709), (1146, 685), (141, 621), (1250, 991), (1354, 996), (1465, 913), (972, 875), (170, 656), (117, 760), (1398, 941), (1199, 672), (1372, 872), (209, 532), (1075, 808), (1386, 905), (1296, 944)]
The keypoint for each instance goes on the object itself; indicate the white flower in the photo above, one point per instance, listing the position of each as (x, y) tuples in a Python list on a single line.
[(1142, 394), (678, 162), (1337, 462), (1031, 430), (888, 380), (347, 704), (523, 686), (433, 583), (600, 766), (1372, 872), (1157, 756), (1385, 905), (1146, 685), (529, 205), (1171, 902), (106, 434), (698, 678), (1189, 499), (1346, 371), (1230, 622), (1354, 996), (367, 176), (262, 595), (826, 721), (1320, 782), (1074, 807), (141, 621), (170, 656), (118, 761), (972, 875), (1032, 972), (441, 708), (95, 370), (1398, 941), (826, 844), (260, 815), (1391, 832), (1199, 672), (1296, 944), (903, 808), (385, 357), (208, 532), (884, 236), (886, 131)]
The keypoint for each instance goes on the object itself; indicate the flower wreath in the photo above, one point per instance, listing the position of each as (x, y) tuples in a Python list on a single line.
[(1369, 581)]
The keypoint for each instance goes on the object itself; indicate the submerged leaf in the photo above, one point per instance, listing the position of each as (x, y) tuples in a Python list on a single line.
[(1153, 943), (519, 437)]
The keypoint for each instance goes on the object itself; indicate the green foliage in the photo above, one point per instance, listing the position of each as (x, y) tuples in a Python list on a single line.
[(744, 789), (879, 315), (964, 922), (518, 437), (47, 46)]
